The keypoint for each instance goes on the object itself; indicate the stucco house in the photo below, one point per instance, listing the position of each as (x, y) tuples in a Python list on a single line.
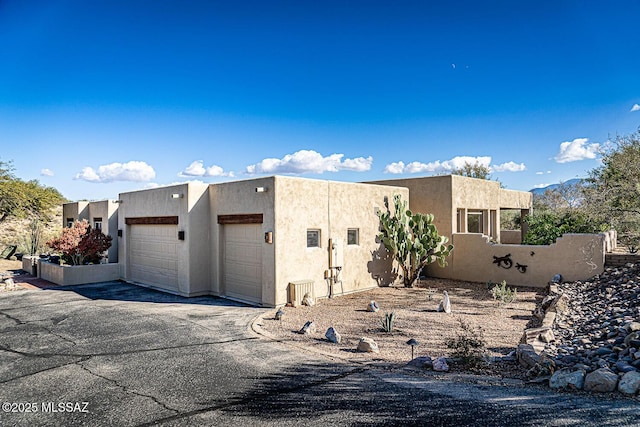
[(265, 241), (269, 241), (102, 215)]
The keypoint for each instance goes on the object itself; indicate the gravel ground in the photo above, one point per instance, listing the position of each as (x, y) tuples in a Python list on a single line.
[(9, 269), (416, 317)]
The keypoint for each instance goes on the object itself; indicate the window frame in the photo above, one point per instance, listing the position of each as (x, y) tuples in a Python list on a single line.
[(357, 236), (318, 233)]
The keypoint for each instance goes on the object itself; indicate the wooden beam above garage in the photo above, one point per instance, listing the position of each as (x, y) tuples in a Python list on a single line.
[(152, 220), (240, 219)]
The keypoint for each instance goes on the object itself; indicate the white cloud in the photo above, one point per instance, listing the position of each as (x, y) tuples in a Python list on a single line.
[(131, 171), (394, 168), (542, 173), (437, 166), (509, 167), (46, 172), (578, 149), (636, 107), (309, 161), (197, 169)]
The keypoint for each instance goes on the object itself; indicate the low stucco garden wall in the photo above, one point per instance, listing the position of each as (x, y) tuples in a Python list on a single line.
[(474, 258), (77, 274)]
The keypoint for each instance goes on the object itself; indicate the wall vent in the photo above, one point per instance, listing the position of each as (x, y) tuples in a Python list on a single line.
[(298, 289)]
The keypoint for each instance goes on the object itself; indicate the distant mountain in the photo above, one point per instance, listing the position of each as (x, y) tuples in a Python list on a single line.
[(539, 191)]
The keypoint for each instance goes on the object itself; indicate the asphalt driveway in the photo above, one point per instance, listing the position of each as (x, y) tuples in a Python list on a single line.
[(116, 354)]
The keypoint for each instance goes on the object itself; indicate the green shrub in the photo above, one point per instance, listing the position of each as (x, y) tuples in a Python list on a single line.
[(469, 345), (387, 321), (503, 293), (544, 228)]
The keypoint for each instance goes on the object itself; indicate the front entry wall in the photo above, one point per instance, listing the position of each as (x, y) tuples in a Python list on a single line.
[(242, 262)]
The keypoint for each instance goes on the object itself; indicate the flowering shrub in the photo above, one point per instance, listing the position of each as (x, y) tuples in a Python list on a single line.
[(80, 244)]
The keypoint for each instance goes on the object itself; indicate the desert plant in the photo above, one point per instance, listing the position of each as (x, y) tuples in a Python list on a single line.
[(504, 294), (468, 345), (388, 321), (80, 244), (412, 239)]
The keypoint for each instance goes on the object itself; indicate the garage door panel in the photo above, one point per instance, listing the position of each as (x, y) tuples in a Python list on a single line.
[(242, 263), (154, 255)]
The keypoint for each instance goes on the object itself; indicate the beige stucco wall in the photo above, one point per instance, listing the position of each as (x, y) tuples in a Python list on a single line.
[(75, 210), (512, 199), (429, 195), (105, 209), (77, 274), (574, 256), (332, 207), (511, 237), (192, 210), (108, 211), (240, 197), (444, 195)]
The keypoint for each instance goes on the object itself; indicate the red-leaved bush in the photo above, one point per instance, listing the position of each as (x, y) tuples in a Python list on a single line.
[(81, 244)]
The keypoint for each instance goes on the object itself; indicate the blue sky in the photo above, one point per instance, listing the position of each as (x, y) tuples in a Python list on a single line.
[(102, 97)]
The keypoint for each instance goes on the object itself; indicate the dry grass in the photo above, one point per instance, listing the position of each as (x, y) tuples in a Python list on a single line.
[(416, 317)]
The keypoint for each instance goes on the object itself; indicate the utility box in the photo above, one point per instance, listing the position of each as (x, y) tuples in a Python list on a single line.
[(298, 289), (337, 254)]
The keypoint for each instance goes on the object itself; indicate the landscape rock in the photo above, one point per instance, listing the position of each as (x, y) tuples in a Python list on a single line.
[(445, 304), (595, 324), (308, 328), (527, 356), (279, 314), (308, 300), (373, 307), (568, 379), (333, 336), (421, 362), (440, 365), (630, 383), (601, 380), (367, 345)]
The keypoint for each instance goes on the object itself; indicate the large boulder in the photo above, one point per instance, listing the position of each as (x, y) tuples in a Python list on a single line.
[(568, 379), (630, 383), (601, 380)]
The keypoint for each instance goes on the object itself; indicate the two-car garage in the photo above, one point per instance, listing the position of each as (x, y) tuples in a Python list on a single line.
[(154, 248)]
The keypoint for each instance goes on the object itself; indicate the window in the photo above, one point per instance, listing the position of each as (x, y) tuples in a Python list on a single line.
[(353, 236), (97, 223), (475, 220), (69, 222), (459, 218), (313, 238)]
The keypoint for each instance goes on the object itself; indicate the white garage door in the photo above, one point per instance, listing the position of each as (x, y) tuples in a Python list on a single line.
[(153, 256), (242, 263)]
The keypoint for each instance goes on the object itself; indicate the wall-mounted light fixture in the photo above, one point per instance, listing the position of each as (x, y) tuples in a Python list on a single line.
[(119, 233), (180, 235), (177, 196), (261, 189)]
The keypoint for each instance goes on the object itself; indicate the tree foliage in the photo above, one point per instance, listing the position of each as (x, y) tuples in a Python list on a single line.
[(80, 244), (473, 170), (545, 227), (612, 191), (412, 239), (25, 199)]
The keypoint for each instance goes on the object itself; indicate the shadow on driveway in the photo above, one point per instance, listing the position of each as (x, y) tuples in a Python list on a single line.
[(123, 291)]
